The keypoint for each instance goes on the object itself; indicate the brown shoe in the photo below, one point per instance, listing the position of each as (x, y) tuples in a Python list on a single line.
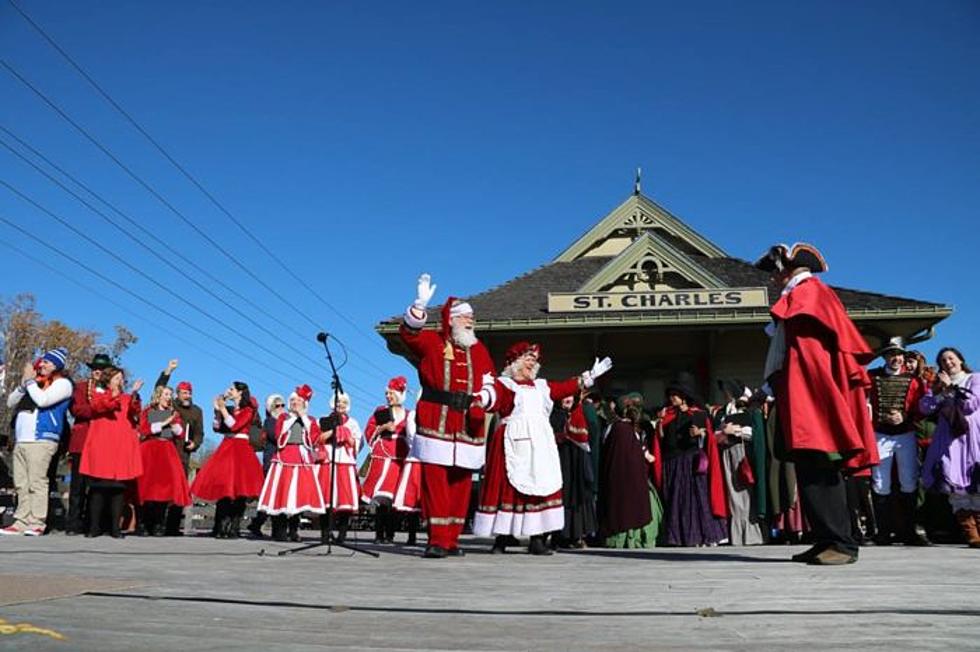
[(968, 523), (832, 557)]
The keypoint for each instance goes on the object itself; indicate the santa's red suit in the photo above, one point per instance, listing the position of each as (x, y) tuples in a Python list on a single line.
[(342, 448), (450, 434), (521, 490), (291, 485), (163, 478)]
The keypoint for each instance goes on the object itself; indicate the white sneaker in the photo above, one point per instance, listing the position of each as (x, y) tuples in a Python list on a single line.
[(34, 531), (10, 531)]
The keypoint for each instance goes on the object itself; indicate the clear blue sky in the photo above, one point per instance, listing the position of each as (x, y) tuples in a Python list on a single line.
[(366, 142)]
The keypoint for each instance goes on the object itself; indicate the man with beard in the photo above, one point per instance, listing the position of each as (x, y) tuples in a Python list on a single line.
[(193, 420), (815, 367), (450, 434)]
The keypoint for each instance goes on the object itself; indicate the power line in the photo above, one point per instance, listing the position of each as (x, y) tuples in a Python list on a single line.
[(129, 311), (184, 172), (156, 253), (208, 336), (134, 268), (135, 224)]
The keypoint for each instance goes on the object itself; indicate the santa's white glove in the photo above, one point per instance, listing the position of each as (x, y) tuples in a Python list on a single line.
[(424, 293), (599, 367)]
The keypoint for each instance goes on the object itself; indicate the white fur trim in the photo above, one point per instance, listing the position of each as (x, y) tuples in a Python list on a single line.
[(413, 320), (519, 524), (461, 308), (447, 453)]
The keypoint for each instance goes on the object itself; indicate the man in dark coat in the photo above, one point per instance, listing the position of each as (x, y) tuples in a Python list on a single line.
[(815, 369), (193, 420)]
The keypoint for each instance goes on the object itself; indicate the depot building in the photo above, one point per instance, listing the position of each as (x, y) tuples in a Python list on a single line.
[(663, 301)]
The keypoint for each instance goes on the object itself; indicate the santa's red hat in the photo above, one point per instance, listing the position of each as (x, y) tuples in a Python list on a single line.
[(518, 349)]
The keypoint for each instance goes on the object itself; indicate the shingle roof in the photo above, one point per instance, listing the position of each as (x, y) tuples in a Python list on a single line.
[(526, 297)]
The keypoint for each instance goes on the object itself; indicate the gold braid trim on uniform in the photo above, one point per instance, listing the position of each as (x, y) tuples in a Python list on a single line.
[(446, 520)]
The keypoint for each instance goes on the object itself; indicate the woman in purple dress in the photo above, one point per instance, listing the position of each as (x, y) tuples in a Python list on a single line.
[(952, 464)]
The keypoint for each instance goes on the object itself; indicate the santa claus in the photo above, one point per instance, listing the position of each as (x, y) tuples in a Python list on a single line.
[(450, 434)]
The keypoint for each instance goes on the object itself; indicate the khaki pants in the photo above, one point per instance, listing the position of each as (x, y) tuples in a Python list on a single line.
[(31, 461)]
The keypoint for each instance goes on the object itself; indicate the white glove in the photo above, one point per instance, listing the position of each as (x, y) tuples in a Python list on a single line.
[(487, 395), (599, 367), (487, 380), (424, 293)]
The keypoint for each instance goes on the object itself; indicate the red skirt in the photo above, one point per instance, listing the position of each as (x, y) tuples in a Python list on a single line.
[(111, 451), (382, 478), (232, 471), (291, 486), (345, 487), (502, 509), (408, 493), (163, 478)]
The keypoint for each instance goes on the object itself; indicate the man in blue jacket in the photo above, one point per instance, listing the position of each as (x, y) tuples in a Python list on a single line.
[(41, 400)]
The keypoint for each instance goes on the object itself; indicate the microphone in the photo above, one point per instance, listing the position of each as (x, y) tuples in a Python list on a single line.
[(322, 336)]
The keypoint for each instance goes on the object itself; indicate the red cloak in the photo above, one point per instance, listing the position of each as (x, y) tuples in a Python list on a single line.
[(821, 394)]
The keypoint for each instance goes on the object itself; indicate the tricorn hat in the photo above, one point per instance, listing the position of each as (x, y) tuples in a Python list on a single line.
[(99, 361), (781, 257)]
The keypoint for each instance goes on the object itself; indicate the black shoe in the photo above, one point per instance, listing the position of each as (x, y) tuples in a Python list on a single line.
[(255, 532), (93, 534), (434, 552), (807, 555), (917, 540), (499, 545), (70, 533), (117, 535), (456, 552), (411, 540), (538, 547)]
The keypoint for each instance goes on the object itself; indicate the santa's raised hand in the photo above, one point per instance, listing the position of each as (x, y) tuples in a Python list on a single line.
[(424, 292)]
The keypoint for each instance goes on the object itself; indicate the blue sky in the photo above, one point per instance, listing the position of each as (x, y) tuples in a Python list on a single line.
[(367, 142)]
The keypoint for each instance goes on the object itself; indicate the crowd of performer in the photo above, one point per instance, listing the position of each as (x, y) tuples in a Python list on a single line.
[(825, 451)]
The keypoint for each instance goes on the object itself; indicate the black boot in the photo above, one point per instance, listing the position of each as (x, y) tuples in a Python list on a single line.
[(116, 504), (255, 526), (499, 545), (538, 546), (235, 521), (413, 528), (96, 508), (381, 515), (293, 534), (279, 527), (220, 527), (883, 518), (159, 521), (910, 537), (324, 528), (343, 522), (392, 526)]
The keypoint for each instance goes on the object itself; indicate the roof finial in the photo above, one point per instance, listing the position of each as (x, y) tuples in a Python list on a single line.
[(636, 184)]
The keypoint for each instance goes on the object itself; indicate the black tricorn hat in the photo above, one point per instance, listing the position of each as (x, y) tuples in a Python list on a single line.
[(801, 254), (895, 345), (100, 361)]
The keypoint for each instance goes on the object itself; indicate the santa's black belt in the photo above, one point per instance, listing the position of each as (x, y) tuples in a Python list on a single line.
[(459, 401)]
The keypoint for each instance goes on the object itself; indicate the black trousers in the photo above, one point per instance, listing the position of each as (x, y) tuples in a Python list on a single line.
[(824, 496), (77, 496)]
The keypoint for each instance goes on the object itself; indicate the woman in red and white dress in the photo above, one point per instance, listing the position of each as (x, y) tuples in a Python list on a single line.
[(291, 485), (408, 493), (340, 439), (385, 433), (232, 475), (163, 482), (521, 490)]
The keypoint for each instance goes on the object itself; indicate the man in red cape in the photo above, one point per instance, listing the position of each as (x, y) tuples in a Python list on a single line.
[(815, 370)]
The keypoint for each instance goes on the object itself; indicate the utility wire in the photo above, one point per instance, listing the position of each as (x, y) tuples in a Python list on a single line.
[(136, 269), (166, 261), (135, 224), (209, 336), (95, 292), (184, 172), (291, 376)]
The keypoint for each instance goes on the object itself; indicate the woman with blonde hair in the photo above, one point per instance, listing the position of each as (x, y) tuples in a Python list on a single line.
[(163, 482)]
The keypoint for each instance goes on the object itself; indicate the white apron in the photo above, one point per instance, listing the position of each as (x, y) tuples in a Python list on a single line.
[(530, 451)]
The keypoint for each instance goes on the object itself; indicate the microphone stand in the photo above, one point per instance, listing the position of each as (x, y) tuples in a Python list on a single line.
[(330, 542)]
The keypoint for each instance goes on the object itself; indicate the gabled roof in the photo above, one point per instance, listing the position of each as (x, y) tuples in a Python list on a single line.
[(653, 248), (636, 215)]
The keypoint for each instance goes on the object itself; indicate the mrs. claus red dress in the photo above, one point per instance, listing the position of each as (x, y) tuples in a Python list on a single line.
[(232, 471), (163, 478), (111, 450)]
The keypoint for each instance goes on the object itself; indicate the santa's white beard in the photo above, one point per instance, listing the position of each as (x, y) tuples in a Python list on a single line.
[(463, 336)]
